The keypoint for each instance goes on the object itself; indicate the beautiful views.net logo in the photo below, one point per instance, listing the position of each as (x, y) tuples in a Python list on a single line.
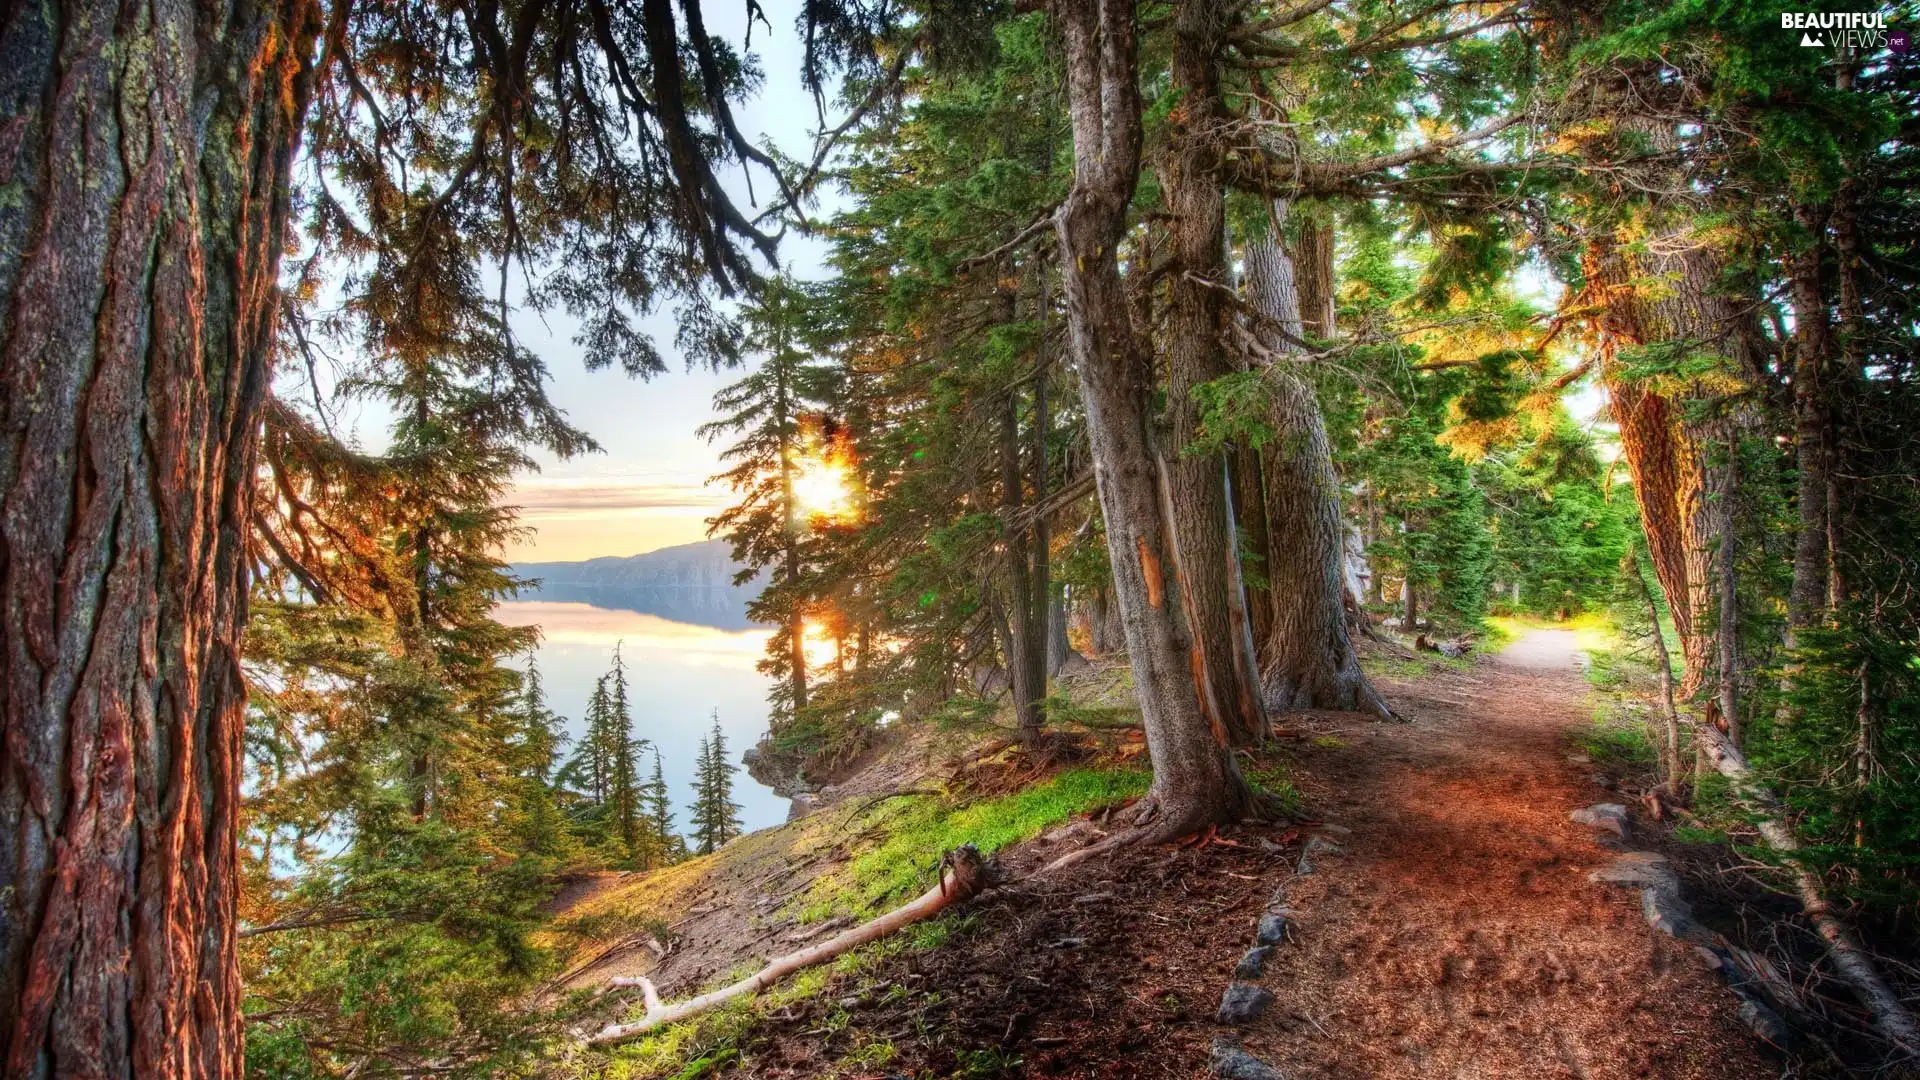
[(1861, 30)]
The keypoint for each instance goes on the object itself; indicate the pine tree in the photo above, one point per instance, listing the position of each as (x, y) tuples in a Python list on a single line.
[(715, 817), (624, 792), (768, 412), (660, 815)]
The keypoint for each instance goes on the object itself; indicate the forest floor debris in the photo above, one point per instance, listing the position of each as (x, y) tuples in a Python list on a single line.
[(1459, 933)]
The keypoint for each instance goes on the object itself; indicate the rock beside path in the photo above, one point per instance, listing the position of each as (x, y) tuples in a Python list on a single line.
[(1609, 816), (1229, 1062)]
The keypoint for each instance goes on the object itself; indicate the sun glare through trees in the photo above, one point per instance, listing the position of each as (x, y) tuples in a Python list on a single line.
[(1102, 538)]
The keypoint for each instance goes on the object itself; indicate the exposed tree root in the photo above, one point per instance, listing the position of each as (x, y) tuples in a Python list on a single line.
[(1147, 824), (1850, 958), (965, 876)]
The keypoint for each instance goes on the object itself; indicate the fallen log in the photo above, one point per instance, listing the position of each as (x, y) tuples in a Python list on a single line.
[(964, 877), (1850, 958)]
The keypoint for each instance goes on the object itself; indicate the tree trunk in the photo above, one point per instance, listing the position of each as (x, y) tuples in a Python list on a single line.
[(1223, 663), (1026, 644), (1308, 661), (147, 155), (1104, 631), (1812, 429), (796, 625), (1669, 712), (1250, 517), (790, 571), (1314, 264), (1060, 653), (1668, 296), (1728, 630), (1195, 780)]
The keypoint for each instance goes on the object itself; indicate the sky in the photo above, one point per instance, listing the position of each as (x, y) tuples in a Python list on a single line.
[(649, 489)]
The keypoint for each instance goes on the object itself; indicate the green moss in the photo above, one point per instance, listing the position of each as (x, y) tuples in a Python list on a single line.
[(921, 829)]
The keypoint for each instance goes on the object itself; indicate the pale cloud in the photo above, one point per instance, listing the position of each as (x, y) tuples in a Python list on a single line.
[(543, 495)]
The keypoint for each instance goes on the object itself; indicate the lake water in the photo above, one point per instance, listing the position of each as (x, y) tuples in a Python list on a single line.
[(680, 673)]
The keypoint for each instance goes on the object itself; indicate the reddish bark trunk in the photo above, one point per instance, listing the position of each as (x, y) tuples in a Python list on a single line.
[(1670, 296), (1195, 780), (1228, 682), (147, 152)]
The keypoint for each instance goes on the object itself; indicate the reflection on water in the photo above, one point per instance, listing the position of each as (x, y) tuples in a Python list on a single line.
[(680, 672)]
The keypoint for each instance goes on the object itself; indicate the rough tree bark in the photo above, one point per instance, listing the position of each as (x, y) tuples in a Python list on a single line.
[(146, 151), (1224, 669), (1308, 661), (1668, 295), (1314, 262), (1195, 780)]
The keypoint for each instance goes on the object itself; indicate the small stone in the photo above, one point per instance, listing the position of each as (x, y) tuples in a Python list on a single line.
[(1601, 779), (1272, 929), (1252, 964), (1579, 759), (1229, 1062), (1242, 1002), (1765, 1023), (1638, 870), (1324, 845), (1669, 914), (1609, 816)]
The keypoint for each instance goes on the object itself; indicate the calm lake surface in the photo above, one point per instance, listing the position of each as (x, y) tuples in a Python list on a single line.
[(680, 674)]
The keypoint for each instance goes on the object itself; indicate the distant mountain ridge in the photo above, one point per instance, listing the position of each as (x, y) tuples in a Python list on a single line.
[(691, 583)]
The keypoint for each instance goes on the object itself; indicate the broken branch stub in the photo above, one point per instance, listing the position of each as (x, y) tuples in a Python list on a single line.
[(964, 878)]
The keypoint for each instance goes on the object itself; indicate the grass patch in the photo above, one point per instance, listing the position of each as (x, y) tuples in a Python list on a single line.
[(1272, 778), (1616, 738), (923, 828)]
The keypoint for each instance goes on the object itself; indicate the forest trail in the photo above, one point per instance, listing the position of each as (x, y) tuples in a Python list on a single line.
[(1455, 934), (1460, 936)]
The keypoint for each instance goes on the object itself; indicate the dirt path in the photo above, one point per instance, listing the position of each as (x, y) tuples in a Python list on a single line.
[(1459, 935)]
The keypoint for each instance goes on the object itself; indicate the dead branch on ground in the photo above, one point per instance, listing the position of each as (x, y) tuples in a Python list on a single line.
[(964, 877)]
